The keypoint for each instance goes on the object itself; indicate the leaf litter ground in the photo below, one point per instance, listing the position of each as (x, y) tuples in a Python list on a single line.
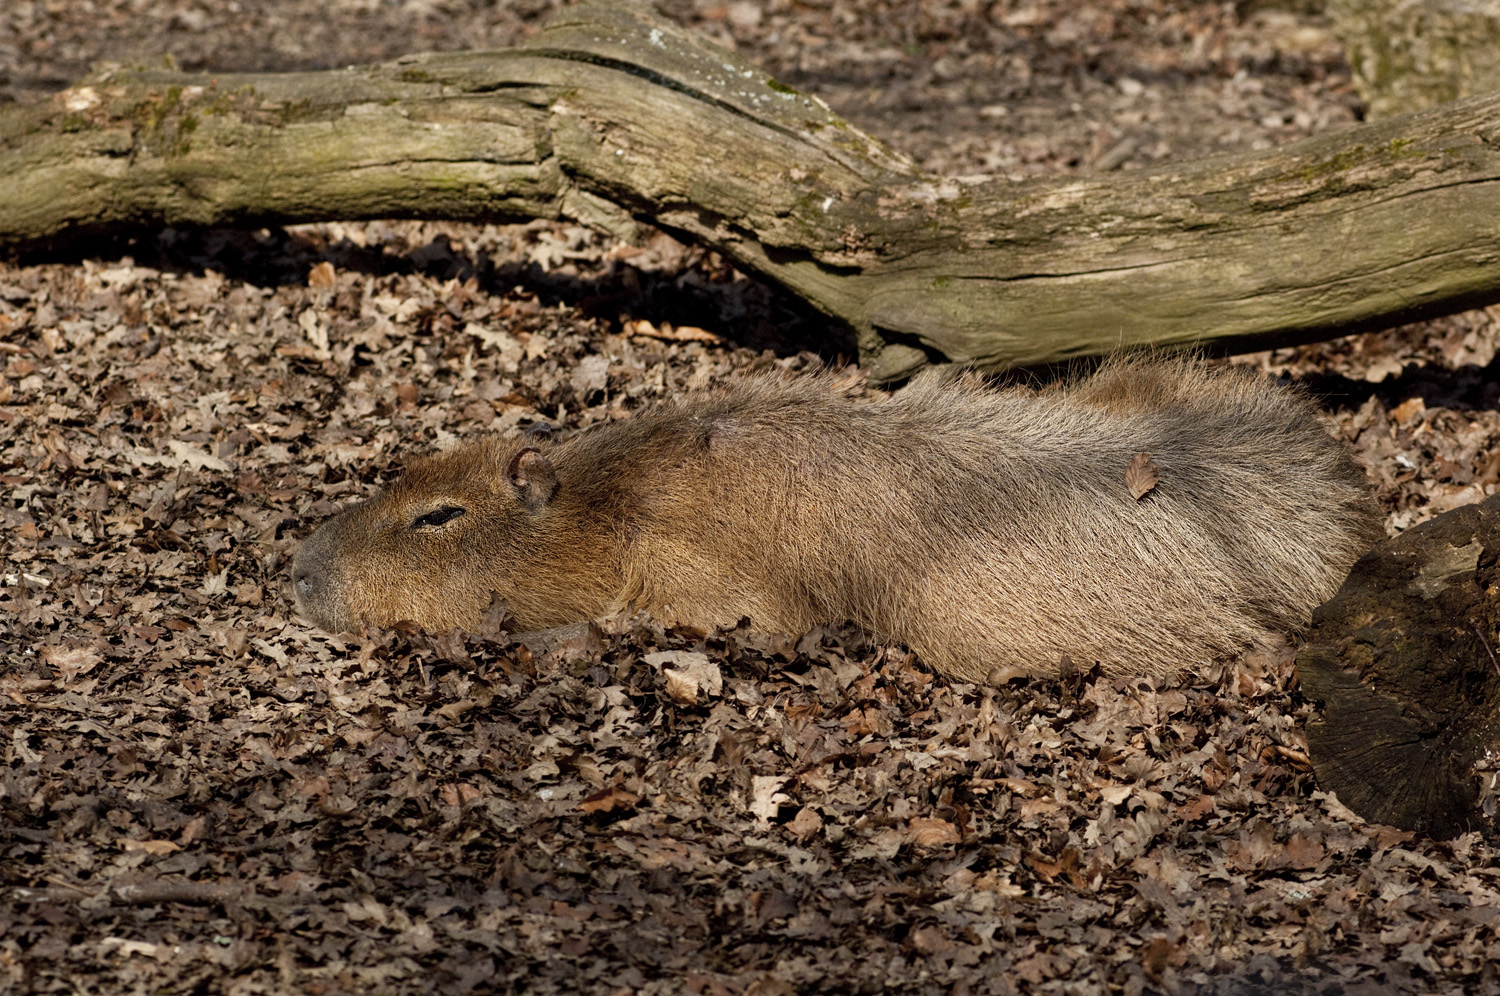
[(203, 794)]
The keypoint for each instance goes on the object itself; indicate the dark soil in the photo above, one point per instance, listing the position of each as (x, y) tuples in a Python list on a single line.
[(203, 794)]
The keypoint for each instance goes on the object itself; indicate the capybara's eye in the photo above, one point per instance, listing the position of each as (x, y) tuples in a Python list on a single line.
[(437, 516)]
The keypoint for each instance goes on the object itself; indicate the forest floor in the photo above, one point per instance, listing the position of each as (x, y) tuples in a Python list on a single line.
[(201, 793)]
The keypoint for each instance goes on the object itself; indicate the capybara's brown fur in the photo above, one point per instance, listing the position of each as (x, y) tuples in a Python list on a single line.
[(982, 528)]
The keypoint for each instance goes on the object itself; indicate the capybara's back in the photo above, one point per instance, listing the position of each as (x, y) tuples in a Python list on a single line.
[(982, 528)]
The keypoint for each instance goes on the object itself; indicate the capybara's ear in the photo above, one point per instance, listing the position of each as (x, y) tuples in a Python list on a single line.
[(539, 433), (533, 478)]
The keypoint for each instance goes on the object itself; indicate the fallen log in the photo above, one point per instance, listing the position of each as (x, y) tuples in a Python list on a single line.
[(614, 117)]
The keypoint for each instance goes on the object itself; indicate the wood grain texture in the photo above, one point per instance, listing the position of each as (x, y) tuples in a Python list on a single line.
[(1404, 661)]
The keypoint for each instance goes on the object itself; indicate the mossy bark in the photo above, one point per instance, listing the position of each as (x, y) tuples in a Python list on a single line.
[(614, 117)]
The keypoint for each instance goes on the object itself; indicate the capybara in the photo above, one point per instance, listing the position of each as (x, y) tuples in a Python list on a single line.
[(982, 528)]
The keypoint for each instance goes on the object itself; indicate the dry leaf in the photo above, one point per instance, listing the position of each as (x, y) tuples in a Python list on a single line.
[(862, 722), (1140, 476), (766, 796), (1005, 673), (590, 375), (931, 940), (191, 456), (156, 848), (1038, 807), (805, 824), (125, 948), (1301, 852), (321, 275), (71, 661), (457, 795), (1406, 412), (312, 787), (1196, 808), (53, 340), (316, 331), (671, 333), (689, 672), (608, 801), (509, 350), (1158, 955), (925, 831), (1045, 868), (682, 687)]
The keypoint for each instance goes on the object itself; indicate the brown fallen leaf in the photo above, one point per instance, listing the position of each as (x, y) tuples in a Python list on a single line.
[(457, 795), (53, 340), (1045, 868), (71, 661), (608, 800), (930, 940), (1158, 955), (689, 672), (682, 687), (1140, 476), (1296, 759), (1406, 412), (862, 722), (313, 786), (925, 831), (671, 333), (1301, 852), (321, 275), (766, 796), (156, 848), (1196, 809), (805, 824)]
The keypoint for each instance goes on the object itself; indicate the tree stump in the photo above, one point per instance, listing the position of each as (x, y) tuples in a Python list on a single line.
[(1404, 659)]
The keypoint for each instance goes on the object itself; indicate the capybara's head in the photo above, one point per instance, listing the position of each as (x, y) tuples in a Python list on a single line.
[(455, 531)]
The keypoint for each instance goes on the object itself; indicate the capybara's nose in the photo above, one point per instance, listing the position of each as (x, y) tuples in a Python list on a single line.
[(311, 589), (304, 581)]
